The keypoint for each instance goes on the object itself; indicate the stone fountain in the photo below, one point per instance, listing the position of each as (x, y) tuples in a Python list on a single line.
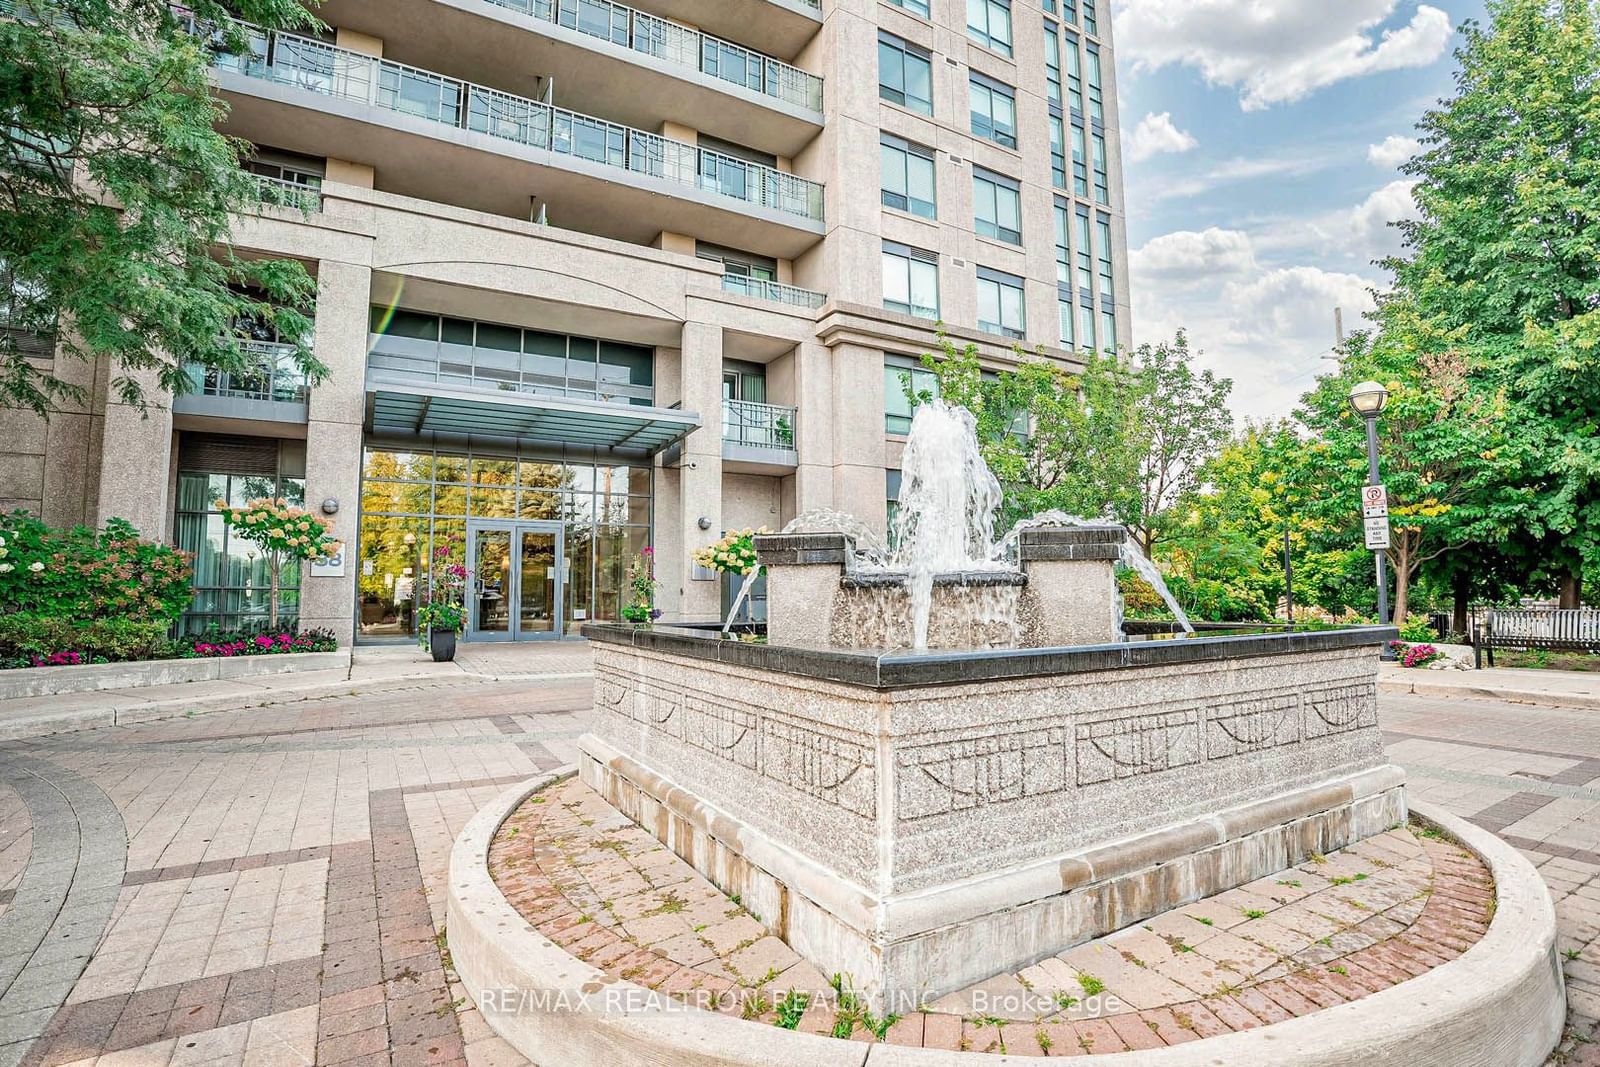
[(946, 760)]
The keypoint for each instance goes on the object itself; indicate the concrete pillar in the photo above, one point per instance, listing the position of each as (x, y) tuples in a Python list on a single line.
[(857, 431), (355, 41), (333, 437), (699, 474), (345, 172), (814, 428), (134, 460)]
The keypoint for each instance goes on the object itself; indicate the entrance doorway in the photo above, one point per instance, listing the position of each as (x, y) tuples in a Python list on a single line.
[(515, 579)]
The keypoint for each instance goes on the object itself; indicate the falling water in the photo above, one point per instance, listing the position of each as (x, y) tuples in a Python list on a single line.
[(948, 498), (1131, 557)]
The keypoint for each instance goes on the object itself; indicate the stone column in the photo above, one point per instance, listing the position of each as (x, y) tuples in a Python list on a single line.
[(134, 460), (814, 428), (803, 572), (699, 472), (857, 432), (333, 438), (1071, 597)]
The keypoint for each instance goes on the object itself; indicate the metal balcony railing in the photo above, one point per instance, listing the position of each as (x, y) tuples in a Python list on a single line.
[(678, 45), (277, 192), (304, 63), (272, 375), (745, 422), (762, 289)]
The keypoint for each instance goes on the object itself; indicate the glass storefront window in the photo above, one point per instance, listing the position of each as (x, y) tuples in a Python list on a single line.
[(605, 510)]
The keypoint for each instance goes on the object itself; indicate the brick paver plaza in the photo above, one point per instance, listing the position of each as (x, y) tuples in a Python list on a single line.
[(265, 886)]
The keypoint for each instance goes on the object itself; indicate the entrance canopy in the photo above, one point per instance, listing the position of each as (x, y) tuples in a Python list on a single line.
[(434, 411)]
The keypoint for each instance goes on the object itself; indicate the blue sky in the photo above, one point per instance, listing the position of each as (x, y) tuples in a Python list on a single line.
[(1261, 145)]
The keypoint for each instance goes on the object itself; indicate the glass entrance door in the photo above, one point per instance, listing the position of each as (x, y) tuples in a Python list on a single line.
[(513, 581)]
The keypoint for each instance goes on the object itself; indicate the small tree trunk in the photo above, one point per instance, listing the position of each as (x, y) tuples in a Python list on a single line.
[(1462, 593), (274, 563), (1571, 590), (1402, 582)]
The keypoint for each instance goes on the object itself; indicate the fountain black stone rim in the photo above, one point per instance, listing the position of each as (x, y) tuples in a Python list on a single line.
[(961, 579), (905, 669)]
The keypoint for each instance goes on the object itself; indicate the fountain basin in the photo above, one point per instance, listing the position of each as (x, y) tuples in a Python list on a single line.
[(921, 821)]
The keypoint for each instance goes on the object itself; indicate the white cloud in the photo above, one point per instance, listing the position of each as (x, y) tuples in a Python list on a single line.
[(1393, 151), (1369, 224), (1228, 172), (1277, 51), (1156, 134), (1187, 257)]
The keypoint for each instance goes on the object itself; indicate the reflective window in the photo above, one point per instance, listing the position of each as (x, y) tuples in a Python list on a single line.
[(910, 280), (1001, 304), (905, 74), (994, 110), (997, 205), (989, 23), (908, 181)]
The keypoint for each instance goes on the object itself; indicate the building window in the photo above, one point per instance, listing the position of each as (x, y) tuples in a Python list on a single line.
[(738, 263), (232, 581), (905, 383), (1085, 257), (1080, 162), (1069, 11), (916, 7), (414, 502), (994, 110), (1001, 304), (431, 348), (1064, 306), (1108, 329), (1063, 251), (1091, 23), (910, 280), (905, 74), (1074, 75), (989, 23), (1103, 235), (1058, 151), (891, 494), (1097, 106), (1052, 62), (908, 183), (1102, 183), (997, 204)]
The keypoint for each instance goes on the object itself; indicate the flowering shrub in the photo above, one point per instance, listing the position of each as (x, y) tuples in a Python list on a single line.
[(284, 532), (28, 640), (268, 643), (1416, 655), (445, 609), (734, 554), (642, 579), (81, 574)]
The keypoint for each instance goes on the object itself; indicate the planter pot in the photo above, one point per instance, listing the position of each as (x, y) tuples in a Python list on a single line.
[(442, 643)]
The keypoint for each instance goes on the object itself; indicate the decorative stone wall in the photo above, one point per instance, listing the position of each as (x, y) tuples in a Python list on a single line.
[(885, 798)]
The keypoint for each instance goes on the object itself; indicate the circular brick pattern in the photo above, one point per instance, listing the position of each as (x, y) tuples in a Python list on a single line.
[(1332, 931)]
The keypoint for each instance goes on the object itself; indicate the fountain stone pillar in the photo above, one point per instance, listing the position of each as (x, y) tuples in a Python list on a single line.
[(1071, 597), (803, 572)]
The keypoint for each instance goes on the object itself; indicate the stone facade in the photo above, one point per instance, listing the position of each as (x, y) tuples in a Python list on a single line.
[(876, 815)]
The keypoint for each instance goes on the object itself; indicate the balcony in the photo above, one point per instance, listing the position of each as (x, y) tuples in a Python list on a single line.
[(779, 293), (758, 438), (455, 142), (271, 389), (276, 192)]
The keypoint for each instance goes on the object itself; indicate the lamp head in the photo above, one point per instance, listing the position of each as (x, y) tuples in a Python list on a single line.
[(1369, 399)]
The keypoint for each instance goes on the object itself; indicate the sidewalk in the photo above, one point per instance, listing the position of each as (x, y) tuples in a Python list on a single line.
[(372, 669), (1559, 689)]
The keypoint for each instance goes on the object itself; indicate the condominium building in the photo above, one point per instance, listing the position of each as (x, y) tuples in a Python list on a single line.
[(594, 277)]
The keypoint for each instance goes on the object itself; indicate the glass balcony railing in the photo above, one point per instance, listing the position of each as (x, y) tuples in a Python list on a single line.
[(762, 289), (271, 375), (289, 59), (753, 425), (678, 45)]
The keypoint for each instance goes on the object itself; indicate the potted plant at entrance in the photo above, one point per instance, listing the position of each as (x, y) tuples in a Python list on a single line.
[(285, 533), (642, 580), (443, 614)]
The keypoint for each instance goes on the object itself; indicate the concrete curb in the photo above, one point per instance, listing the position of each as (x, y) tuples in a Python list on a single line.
[(1502, 1003), (98, 677), (1539, 697)]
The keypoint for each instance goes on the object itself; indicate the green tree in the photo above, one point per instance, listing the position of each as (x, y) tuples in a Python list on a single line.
[(117, 194), (1121, 439), (1507, 248)]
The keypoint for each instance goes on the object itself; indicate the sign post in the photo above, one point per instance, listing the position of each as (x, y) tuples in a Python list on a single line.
[(1375, 521)]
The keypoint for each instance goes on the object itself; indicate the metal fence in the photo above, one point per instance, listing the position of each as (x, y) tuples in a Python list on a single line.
[(304, 63), (762, 289), (745, 422), (271, 375)]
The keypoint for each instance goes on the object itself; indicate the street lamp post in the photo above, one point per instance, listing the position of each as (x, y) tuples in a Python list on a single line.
[(1369, 399)]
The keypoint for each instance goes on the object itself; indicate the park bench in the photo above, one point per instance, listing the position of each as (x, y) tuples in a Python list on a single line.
[(1537, 628)]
